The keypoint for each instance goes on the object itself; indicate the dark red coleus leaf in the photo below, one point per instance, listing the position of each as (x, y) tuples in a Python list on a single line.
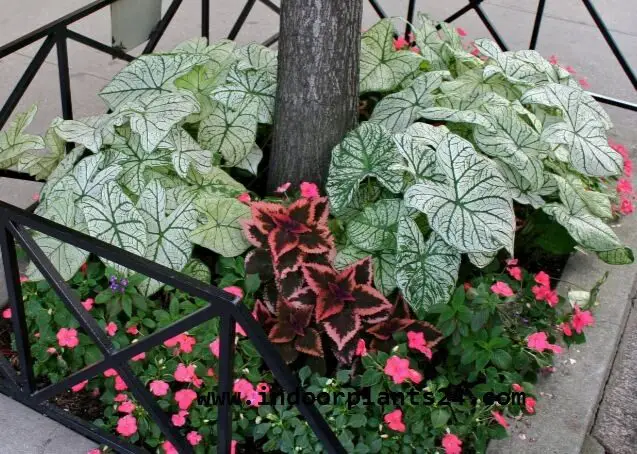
[(293, 316), (343, 327), (263, 315), (258, 261), (310, 343)]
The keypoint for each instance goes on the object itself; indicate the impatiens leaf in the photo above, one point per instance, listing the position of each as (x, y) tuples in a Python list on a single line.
[(582, 130), (375, 228), (514, 142), (257, 56), (14, 141), (426, 271), (383, 264), (152, 115), (252, 160), (186, 152), (230, 132), (420, 158), (472, 211), (168, 241), (382, 67), (397, 111), (148, 74), (114, 219), (368, 151), (251, 88), (64, 257), (91, 132), (222, 232), (40, 165)]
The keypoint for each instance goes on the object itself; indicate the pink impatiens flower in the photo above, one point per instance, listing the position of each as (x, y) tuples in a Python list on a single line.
[(400, 43), (94, 451), (502, 289), (581, 319), (451, 444), (127, 425), (624, 186), (517, 388), (121, 397), (111, 328), (35, 197), (233, 447), (23, 279), (214, 347), (544, 293), (139, 357), (361, 349), (244, 198), (584, 83), (126, 407), (309, 190), (543, 279), (185, 373), (529, 404), (88, 303), (184, 398), (283, 188), (398, 369), (159, 388), (515, 272), (132, 330), (179, 419), (394, 421), (234, 290), (110, 373), (169, 448), (416, 341), (67, 337), (626, 207), (566, 329), (539, 342), (500, 419), (6, 313), (80, 386), (193, 438), (120, 384), (461, 31)]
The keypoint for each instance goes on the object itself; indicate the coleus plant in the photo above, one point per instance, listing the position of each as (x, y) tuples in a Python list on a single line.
[(456, 139)]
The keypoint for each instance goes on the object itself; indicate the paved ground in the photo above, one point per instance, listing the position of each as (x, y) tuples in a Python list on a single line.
[(567, 32)]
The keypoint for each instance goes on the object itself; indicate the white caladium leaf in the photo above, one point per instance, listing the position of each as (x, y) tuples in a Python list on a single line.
[(527, 115), (472, 211), (218, 54), (251, 88), (383, 265), (133, 161), (14, 141), (197, 269), (257, 56), (621, 256), (481, 259), (64, 168), (92, 132), (168, 237), (114, 219), (457, 110), (86, 180), (597, 203), (426, 271), (420, 158), (152, 115), (222, 232), (427, 134), (215, 183), (397, 111), (148, 74), (585, 228), (252, 160), (520, 188), (186, 152), (201, 84), (41, 165), (64, 257), (382, 67), (230, 132), (514, 142), (375, 228), (366, 194), (368, 151), (471, 83), (430, 43)]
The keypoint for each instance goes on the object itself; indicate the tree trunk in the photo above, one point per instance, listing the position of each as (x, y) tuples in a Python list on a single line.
[(317, 93)]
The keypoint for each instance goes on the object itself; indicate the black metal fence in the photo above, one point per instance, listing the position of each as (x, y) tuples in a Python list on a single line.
[(14, 223)]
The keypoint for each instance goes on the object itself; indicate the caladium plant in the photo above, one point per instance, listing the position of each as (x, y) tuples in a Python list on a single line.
[(457, 140)]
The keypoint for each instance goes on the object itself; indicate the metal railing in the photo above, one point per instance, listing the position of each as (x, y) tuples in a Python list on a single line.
[(14, 223)]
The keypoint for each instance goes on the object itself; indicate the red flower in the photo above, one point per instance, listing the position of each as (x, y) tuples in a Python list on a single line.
[(566, 329), (416, 341), (80, 386), (361, 349), (120, 385), (127, 425), (179, 419), (110, 373), (132, 330), (111, 328), (88, 303), (502, 289), (126, 407), (169, 448), (515, 272), (500, 419), (581, 319), (67, 337), (529, 405), (394, 421), (400, 43), (398, 369), (451, 444), (184, 398), (159, 388), (193, 438), (6, 313), (539, 342), (309, 190), (517, 388), (543, 279)]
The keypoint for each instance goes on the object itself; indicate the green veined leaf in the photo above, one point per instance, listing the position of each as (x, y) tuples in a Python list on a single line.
[(420, 158), (186, 152), (222, 232), (460, 110), (86, 180), (383, 68), (218, 54), (65, 258), (41, 165), (252, 160), (257, 56), (249, 87), (230, 132), (481, 259), (148, 74), (197, 269), (472, 211), (368, 151), (168, 241), (92, 132), (582, 130), (375, 228), (216, 183), (621, 256), (520, 187), (14, 141), (153, 115), (114, 219), (430, 43), (426, 271), (383, 265), (597, 203), (201, 84), (472, 83), (397, 111), (63, 168)]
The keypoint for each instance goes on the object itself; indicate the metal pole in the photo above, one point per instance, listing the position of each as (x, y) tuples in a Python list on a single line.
[(205, 19), (226, 361), (537, 23), (64, 74), (241, 19)]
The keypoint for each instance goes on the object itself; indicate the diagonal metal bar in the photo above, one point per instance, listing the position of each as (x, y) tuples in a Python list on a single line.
[(18, 318), (615, 102), (379, 10), (611, 42), (161, 27), (271, 40), (241, 19), (274, 7), (226, 361), (487, 23), (90, 42), (26, 79), (461, 12), (536, 25)]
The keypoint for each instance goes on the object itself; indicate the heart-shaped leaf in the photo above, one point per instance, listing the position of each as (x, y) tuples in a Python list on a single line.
[(86, 180), (472, 211), (41, 165), (222, 232), (426, 271), (252, 160), (14, 141), (257, 56), (92, 132), (471, 83), (419, 156), (186, 152), (368, 151), (375, 228)]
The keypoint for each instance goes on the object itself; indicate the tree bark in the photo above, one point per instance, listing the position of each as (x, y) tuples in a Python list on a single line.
[(317, 92)]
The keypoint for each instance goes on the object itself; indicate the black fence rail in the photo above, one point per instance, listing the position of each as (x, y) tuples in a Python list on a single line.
[(21, 386)]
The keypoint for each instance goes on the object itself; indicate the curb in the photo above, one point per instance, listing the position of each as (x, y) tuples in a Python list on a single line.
[(568, 399)]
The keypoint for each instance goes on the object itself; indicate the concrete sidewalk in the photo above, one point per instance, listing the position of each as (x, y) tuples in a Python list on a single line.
[(567, 32)]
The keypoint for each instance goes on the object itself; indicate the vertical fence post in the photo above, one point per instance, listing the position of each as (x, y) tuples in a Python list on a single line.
[(14, 290), (537, 23), (205, 19), (411, 9), (64, 74), (226, 361)]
